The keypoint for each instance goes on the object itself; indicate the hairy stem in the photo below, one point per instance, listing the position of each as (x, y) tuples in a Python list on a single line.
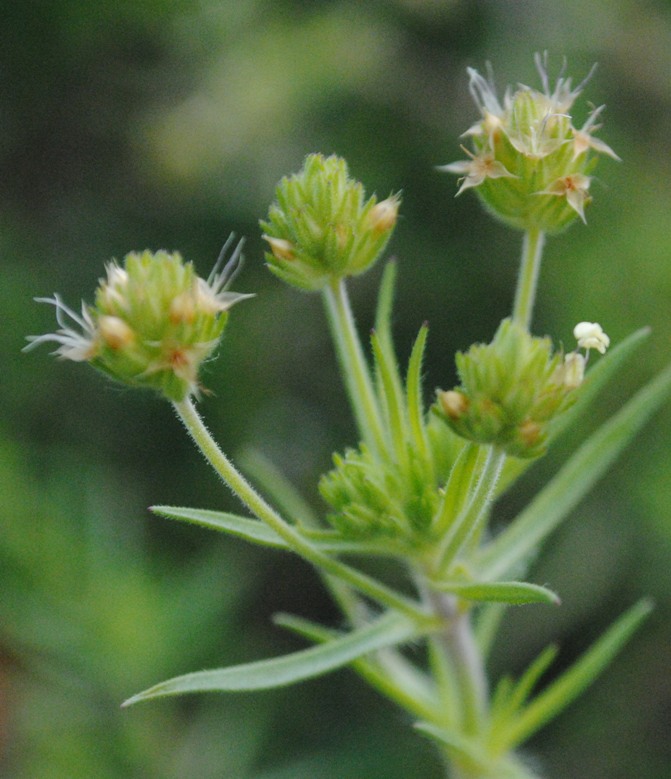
[(458, 643), (261, 509), (354, 369), (527, 280)]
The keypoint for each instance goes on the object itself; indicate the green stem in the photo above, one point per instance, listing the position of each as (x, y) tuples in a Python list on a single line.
[(527, 281), (353, 365), (258, 506), (461, 651)]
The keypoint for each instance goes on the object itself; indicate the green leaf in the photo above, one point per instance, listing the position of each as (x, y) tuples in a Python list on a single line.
[(456, 744), (257, 532), (514, 593), (393, 675), (517, 542), (391, 397), (558, 695), (458, 488), (389, 630), (414, 394), (250, 529), (385, 303), (509, 697)]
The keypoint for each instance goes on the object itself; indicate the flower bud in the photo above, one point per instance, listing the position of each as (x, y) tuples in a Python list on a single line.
[(530, 165), (510, 390), (321, 228), (153, 324)]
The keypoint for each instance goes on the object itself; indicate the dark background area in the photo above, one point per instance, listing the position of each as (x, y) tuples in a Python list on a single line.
[(159, 124)]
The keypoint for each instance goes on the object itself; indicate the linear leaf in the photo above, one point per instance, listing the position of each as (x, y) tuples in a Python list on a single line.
[(558, 695), (389, 630), (456, 744), (391, 395), (514, 593), (257, 532), (572, 482), (414, 393), (510, 696), (457, 488), (391, 674), (250, 529)]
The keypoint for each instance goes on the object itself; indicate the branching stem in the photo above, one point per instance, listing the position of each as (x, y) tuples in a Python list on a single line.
[(258, 506)]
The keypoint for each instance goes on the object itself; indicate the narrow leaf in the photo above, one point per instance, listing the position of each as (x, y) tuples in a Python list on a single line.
[(520, 692), (385, 304), (516, 543), (389, 630), (514, 593), (387, 363), (549, 703), (259, 533), (392, 675), (456, 744), (458, 488), (250, 529), (391, 395), (414, 393)]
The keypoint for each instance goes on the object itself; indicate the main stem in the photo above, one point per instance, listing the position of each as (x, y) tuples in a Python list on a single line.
[(527, 281), (458, 643)]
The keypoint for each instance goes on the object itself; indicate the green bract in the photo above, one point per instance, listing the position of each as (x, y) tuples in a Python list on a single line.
[(529, 164), (153, 324), (510, 389), (321, 228)]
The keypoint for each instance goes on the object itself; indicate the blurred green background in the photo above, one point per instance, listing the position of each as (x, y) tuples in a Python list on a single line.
[(158, 124)]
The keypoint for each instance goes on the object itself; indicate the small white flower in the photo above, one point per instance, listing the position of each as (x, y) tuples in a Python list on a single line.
[(74, 345), (574, 188), (113, 289), (584, 140), (483, 92), (590, 335), (213, 294), (573, 370), (562, 97), (481, 166)]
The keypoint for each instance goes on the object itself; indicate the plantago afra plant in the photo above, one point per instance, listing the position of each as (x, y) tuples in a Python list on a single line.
[(419, 486)]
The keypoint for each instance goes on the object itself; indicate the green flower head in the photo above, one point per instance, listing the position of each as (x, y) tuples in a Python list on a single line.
[(513, 387), (153, 324), (322, 229), (530, 165)]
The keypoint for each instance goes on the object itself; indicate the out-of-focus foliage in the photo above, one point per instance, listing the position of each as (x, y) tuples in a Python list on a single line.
[(166, 125)]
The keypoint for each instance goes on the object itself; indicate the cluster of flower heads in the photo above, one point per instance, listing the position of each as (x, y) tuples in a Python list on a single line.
[(529, 164), (513, 387), (154, 321)]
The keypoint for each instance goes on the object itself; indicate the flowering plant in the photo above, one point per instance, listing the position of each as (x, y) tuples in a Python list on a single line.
[(420, 485)]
